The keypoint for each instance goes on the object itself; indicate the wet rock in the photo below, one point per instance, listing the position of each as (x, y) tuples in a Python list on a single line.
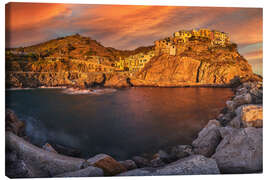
[(181, 151), (240, 150), (141, 162), (109, 165), (129, 164), (208, 139), (48, 147), (252, 116), (43, 163), (90, 171), (195, 164), (13, 124)]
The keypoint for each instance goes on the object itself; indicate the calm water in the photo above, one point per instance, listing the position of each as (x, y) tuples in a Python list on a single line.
[(123, 123)]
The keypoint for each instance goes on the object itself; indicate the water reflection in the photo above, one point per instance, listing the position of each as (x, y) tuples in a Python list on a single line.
[(125, 123)]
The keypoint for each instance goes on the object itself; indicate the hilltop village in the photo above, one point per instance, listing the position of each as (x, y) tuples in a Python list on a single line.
[(77, 49), (174, 45)]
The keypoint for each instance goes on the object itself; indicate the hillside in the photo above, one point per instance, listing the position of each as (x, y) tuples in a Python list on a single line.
[(180, 60)]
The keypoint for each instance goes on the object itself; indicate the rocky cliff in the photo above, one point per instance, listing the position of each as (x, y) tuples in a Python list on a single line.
[(198, 64), (86, 63)]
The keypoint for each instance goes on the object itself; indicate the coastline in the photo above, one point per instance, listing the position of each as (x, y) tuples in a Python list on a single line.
[(212, 134)]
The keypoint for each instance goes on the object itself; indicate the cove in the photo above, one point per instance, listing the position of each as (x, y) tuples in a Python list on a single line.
[(123, 123)]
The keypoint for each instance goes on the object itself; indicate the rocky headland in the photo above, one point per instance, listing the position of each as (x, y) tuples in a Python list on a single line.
[(76, 61), (231, 143)]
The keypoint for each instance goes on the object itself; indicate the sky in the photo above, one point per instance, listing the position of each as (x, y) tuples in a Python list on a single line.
[(128, 27)]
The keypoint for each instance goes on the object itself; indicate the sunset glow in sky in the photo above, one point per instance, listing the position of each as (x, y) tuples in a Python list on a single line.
[(128, 27)]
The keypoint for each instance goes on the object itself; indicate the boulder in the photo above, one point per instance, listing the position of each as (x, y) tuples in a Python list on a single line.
[(235, 122), (238, 101), (43, 163), (252, 116), (156, 162), (194, 164), (137, 172), (68, 151), (129, 164), (242, 99), (257, 95), (90, 171), (141, 162), (48, 147), (13, 124), (208, 139), (240, 150), (181, 151), (109, 165), (226, 118)]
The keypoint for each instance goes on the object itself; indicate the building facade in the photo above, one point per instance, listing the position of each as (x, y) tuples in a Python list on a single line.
[(174, 45)]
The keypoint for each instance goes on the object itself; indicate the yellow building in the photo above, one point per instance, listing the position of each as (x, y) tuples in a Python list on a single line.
[(135, 62)]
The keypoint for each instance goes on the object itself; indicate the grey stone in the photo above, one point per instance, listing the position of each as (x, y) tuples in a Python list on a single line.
[(128, 164), (181, 151), (141, 162), (195, 164), (137, 172), (208, 139), (90, 171), (44, 163), (240, 150), (156, 162)]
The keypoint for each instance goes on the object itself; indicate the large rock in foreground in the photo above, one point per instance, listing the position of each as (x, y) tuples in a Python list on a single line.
[(195, 164), (86, 172), (43, 163), (240, 151), (208, 139)]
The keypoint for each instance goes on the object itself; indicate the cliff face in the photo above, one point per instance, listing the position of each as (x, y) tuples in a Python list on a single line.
[(197, 64)]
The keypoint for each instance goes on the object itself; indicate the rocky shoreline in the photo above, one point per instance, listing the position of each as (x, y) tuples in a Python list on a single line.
[(231, 143)]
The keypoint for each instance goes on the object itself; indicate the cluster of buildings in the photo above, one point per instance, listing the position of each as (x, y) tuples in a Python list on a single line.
[(174, 45), (134, 63)]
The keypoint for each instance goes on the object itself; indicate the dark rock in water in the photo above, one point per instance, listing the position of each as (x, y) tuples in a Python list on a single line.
[(109, 165), (90, 171), (181, 151), (129, 164), (48, 147), (195, 164), (141, 162), (68, 151), (208, 139), (240, 151), (13, 124)]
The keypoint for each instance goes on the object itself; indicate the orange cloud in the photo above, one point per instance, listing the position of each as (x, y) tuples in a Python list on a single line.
[(19, 15)]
